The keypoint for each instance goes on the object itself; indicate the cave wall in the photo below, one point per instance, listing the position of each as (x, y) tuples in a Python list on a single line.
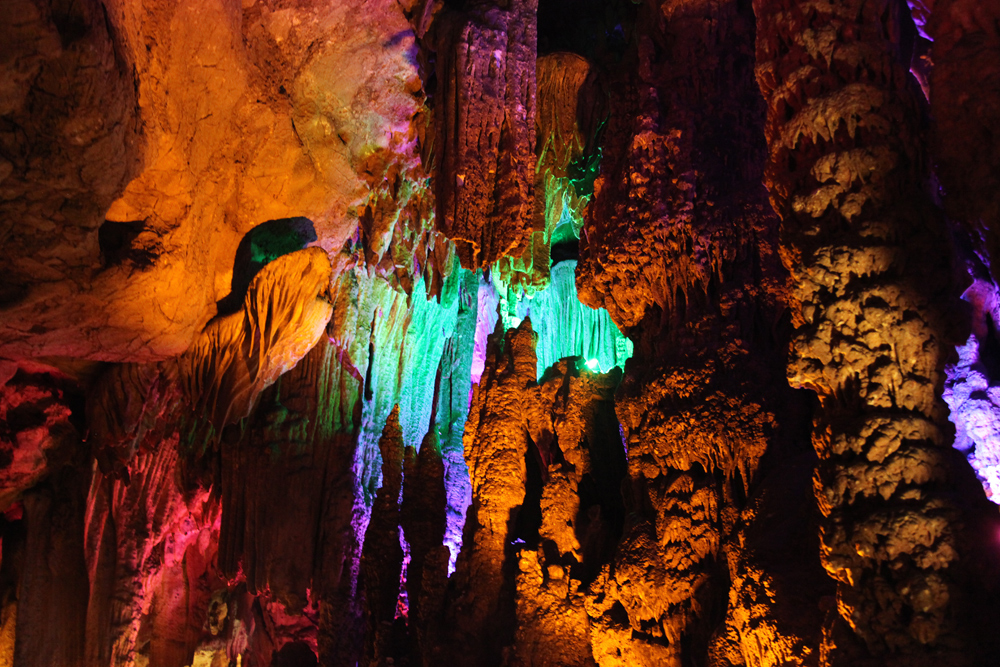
[(498, 332)]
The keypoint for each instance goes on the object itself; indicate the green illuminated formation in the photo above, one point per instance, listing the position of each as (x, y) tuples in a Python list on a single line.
[(564, 326)]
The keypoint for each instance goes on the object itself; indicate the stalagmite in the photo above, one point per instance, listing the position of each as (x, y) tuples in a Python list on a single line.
[(496, 443), (577, 440), (423, 518), (382, 556)]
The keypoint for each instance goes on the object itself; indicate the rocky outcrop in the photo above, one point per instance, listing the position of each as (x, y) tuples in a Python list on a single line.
[(142, 539), (285, 312), (71, 140)]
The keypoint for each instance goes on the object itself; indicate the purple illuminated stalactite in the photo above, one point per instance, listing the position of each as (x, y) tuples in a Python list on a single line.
[(972, 390)]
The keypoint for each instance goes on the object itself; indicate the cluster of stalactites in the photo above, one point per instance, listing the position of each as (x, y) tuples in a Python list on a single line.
[(484, 117), (642, 249), (398, 238)]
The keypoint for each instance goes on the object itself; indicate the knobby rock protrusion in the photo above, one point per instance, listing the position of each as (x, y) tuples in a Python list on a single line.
[(869, 258)]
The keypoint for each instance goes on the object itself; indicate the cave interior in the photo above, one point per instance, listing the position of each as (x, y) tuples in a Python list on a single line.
[(499, 333)]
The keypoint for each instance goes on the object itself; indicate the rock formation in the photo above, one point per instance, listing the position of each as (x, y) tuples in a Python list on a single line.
[(872, 291), (506, 333), (484, 115)]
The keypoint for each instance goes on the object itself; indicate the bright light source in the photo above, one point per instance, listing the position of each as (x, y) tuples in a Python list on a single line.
[(593, 365), (515, 322)]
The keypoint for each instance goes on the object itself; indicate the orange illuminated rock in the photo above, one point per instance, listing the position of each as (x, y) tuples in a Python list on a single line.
[(576, 438), (496, 443), (873, 290), (238, 347), (285, 312), (179, 129)]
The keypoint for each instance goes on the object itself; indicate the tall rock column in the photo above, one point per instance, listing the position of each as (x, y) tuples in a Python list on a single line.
[(496, 442), (872, 286), (680, 246), (485, 118)]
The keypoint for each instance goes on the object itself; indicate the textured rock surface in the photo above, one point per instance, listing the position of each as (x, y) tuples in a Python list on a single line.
[(582, 461), (484, 115), (868, 257), (560, 146), (285, 312), (680, 246)]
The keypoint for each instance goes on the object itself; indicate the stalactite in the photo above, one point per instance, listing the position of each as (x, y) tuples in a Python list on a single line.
[(183, 490), (568, 328), (560, 143), (869, 259), (397, 224), (453, 409), (484, 116)]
